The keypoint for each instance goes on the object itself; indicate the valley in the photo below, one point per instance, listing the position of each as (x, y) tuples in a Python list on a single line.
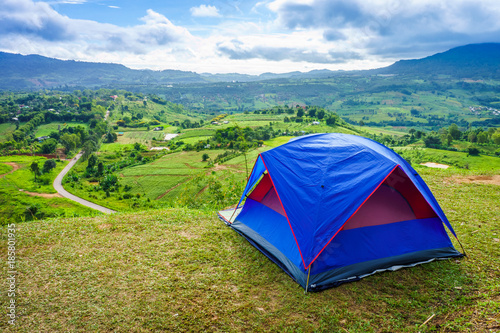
[(166, 156)]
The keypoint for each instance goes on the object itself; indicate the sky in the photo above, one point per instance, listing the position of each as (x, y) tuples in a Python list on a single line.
[(245, 36)]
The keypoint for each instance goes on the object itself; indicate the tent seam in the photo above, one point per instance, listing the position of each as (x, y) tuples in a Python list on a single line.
[(324, 247), (286, 215)]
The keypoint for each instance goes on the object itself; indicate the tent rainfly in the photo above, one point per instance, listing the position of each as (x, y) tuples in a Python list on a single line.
[(334, 208)]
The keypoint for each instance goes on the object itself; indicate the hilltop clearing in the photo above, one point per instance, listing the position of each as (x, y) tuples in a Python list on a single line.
[(184, 270)]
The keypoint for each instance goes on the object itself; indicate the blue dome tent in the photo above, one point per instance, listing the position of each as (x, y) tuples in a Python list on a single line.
[(334, 208)]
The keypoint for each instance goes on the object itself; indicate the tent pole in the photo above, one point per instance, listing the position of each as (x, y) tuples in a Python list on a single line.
[(465, 254), (235, 209), (307, 284)]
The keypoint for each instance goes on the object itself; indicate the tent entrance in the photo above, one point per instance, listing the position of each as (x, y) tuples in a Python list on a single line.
[(265, 194), (395, 200)]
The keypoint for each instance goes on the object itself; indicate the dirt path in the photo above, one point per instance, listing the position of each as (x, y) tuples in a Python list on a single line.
[(14, 166), (170, 189), (494, 180), (43, 195)]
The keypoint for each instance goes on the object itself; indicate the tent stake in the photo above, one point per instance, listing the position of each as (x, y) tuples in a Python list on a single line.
[(307, 284)]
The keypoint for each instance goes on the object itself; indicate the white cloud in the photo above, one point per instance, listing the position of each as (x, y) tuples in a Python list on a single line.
[(205, 11), (114, 7), (277, 36), (393, 28)]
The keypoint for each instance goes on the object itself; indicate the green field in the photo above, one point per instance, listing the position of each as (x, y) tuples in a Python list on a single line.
[(6, 129), (22, 199), (460, 162), (143, 137), (5, 168), (46, 129)]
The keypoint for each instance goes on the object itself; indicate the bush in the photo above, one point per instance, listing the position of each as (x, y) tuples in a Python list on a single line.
[(473, 151)]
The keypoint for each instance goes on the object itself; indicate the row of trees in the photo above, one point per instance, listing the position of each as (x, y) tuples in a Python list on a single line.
[(48, 165)]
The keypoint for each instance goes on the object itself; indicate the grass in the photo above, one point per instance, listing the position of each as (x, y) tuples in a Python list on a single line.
[(278, 141), (143, 137), (24, 179), (18, 205), (116, 147), (461, 162), (5, 168), (46, 129), (6, 129), (184, 270)]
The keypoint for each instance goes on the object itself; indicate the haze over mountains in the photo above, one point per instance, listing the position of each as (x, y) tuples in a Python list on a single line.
[(474, 61)]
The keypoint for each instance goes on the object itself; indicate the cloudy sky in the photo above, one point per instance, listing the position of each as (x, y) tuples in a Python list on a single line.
[(245, 36)]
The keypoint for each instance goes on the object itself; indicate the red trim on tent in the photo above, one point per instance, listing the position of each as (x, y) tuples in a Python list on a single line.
[(403, 184), (286, 215), (324, 247)]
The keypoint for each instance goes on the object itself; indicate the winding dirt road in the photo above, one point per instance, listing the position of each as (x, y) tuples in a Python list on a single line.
[(59, 188)]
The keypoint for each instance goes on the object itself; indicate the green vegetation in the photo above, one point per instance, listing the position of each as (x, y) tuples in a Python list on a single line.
[(176, 248), (5, 168), (47, 129), (186, 271), (24, 199), (478, 164)]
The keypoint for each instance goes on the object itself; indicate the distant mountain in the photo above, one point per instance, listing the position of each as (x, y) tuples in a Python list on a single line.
[(479, 61), (19, 72), (34, 71)]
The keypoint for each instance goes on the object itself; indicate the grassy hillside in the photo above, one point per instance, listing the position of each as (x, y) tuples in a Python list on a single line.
[(184, 270)]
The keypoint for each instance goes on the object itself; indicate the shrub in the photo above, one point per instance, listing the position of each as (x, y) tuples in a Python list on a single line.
[(473, 151)]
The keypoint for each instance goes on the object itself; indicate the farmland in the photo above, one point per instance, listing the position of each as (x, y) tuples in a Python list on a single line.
[(23, 199), (168, 233)]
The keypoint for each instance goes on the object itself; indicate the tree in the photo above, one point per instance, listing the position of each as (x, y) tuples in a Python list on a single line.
[(70, 141), (454, 131), (331, 120), (49, 146), (111, 137), (109, 181), (35, 169), (321, 114), (49, 165), (432, 140), (496, 137), (482, 137), (100, 169), (473, 151), (91, 162), (205, 157), (300, 112)]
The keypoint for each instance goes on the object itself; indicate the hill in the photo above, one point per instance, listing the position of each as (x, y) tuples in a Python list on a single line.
[(479, 61), (35, 71), (184, 270)]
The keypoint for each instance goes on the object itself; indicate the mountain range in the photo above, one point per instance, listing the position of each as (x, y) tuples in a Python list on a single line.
[(19, 72)]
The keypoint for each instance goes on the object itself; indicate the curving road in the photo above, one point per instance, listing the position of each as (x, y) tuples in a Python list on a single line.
[(59, 188)]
